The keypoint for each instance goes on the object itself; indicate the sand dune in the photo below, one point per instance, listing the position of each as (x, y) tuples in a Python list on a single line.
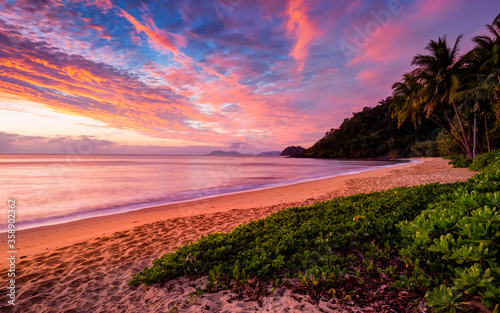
[(85, 266)]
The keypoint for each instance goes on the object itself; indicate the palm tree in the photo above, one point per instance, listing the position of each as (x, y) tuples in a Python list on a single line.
[(482, 92), (438, 73), (408, 103), (429, 88), (487, 51), (447, 88), (482, 82), (405, 102)]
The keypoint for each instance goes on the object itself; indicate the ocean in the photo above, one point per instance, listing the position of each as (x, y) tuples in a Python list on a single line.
[(52, 189)]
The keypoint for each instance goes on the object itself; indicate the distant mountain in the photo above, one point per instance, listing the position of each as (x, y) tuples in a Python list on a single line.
[(219, 152), (269, 153), (293, 151)]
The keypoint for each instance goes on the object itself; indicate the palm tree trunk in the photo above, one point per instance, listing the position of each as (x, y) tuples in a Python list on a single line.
[(449, 133), (486, 130), (460, 140), (452, 126), (466, 142)]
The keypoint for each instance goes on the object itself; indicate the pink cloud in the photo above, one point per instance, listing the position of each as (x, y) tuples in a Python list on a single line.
[(104, 5), (300, 27), (160, 39)]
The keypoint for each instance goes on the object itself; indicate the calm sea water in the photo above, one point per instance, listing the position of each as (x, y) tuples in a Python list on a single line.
[(57, 188)]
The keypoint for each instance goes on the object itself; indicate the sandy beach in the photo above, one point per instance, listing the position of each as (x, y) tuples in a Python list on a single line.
[(84, 266)]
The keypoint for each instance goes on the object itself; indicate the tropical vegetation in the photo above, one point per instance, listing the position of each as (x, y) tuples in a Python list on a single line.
[(372, 133), (450, 100)]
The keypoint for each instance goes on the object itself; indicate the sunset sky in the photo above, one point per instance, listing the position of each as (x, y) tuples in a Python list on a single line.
[(189, 77)]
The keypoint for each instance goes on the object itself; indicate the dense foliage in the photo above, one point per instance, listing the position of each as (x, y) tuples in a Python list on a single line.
[(485, 162), (456, 242), (459, 161), (479, 163), (372, 133), (298, 238)]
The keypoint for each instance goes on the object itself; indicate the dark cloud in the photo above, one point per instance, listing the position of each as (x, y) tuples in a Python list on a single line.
[(8, 141), (15, 143), (211, 29), (85, 145), (236, 145), (303, 105), (232, 108)]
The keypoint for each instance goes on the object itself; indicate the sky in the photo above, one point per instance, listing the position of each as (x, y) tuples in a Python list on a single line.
[(189, 77)]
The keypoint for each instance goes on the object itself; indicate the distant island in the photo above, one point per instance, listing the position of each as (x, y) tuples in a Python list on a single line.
[(220, 152), (293, 151)]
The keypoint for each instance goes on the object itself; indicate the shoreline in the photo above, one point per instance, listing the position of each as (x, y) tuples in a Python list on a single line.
[(42, 239), (85, 266), (80, 216)]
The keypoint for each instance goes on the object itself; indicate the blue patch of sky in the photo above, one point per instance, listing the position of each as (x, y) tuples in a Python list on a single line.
[(198, 49), (167, 16)]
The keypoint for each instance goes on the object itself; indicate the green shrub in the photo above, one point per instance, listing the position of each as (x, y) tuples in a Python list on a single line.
[(321, 245), (457, 240), (479, 163), (484, 161), (460, 161)]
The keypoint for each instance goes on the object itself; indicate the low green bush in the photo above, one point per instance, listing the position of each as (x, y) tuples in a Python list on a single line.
[(485, 161), (459, 161), (455, 244), (479, 163), (301, 241)]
